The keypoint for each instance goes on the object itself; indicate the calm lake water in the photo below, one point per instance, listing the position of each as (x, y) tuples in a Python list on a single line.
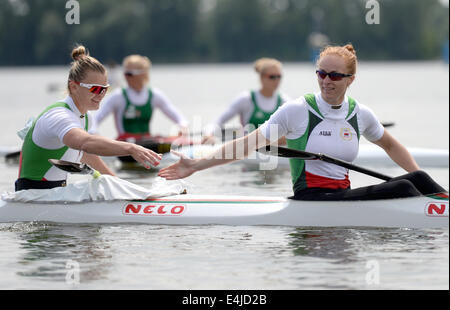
[(414, 95)]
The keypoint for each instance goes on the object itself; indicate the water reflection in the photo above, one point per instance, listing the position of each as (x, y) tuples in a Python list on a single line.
[(274, 179), (345, 244), (49, 247), (330, 243)]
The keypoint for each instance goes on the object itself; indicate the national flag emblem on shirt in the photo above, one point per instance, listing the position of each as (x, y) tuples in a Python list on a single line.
[(346, 134), (259, 114), (130, 112)]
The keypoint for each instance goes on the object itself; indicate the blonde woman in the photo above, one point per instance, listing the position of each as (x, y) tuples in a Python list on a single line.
[(61, 131), (328, 122), (134, 105), (254, 107)]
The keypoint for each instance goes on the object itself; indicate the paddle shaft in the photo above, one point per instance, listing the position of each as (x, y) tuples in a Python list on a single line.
[(347, 165), (291, 153), (165, 147)]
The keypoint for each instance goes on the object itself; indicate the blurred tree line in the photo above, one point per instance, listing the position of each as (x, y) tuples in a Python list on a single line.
[(35, 32)]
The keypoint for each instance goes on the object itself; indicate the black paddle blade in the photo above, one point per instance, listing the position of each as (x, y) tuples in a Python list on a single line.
[(388, 124), (285, 152), (70, 166), (13, 156)]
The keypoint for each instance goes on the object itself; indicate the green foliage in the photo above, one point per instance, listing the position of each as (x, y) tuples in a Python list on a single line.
[(35, 32)]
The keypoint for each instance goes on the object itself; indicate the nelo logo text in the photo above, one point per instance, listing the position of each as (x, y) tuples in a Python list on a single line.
[(153, 209), (436, 209)]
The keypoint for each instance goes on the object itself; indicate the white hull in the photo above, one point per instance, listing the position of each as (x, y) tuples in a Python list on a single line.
[(369, 155), (420, 212)]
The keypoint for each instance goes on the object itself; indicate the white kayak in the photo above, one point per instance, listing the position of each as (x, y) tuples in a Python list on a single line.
[(417, 212), (369, 154)]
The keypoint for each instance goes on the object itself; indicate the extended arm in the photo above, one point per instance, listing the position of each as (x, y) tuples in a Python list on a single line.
[(231, 151), (78, 139)]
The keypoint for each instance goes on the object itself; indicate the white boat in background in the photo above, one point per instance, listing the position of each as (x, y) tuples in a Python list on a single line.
[(418, 212), (369, 155)]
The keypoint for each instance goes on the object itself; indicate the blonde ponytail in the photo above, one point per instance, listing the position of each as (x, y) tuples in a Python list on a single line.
[(262, 64), (82, 63)]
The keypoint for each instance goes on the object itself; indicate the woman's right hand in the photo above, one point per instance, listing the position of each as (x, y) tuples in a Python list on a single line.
[(179, 170), (209, 139), (144, 156)]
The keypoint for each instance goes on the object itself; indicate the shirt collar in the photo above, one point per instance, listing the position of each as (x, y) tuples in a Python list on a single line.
[(73, 106), (138, 93), (327, 111), (258, 93)]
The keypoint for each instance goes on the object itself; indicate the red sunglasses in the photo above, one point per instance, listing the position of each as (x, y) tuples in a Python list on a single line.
[(94, 88), (334, 76)]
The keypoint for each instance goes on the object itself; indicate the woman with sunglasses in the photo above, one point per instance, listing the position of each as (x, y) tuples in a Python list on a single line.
[(61, 131), (133, 106), (254, 107), (328, 122)]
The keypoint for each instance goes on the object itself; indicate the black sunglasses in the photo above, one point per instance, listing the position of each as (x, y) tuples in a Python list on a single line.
[(274, 76), (134, 72), (334, 76)]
